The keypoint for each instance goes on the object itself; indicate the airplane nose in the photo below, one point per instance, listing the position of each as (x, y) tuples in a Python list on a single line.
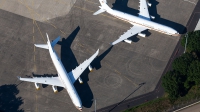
[(176, 34), (79, 108)]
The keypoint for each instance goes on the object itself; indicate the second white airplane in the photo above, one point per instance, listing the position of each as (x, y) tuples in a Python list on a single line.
[(64, 79), (141, 23)]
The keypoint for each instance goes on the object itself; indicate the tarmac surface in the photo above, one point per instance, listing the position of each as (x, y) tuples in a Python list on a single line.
[(120, 73)]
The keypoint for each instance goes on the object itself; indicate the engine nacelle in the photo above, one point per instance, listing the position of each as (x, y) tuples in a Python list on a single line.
[(152, 17), (37, 86), (80, 80), (149, 4), (142, 34), (90, 68), (55, 90), (127, 41)]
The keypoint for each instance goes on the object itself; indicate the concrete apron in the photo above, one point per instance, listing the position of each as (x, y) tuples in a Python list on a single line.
[(40, 10)]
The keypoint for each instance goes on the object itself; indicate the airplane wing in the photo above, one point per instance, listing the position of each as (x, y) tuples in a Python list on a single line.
[(75, 74), (55, 81), (144, 13), (134, 30)]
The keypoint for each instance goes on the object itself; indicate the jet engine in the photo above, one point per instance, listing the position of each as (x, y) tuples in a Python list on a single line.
[(55, 90), (127, 41), (149, 4), (90, 68), (80, 80), (37, 86), (152, 17), (142, 34)]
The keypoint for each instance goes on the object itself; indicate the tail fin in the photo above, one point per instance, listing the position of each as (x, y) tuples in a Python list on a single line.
[(45, 46), (104, 7), (55, 41)]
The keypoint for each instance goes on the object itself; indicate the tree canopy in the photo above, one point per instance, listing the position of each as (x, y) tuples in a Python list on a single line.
[(194, 72), (172, 84), (193, 41), (182, 63)]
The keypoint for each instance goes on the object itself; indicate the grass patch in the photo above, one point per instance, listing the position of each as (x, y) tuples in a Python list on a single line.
[(164, 104)]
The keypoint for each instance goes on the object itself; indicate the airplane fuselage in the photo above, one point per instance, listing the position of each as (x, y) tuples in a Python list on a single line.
[(143, 22), (65, 79)]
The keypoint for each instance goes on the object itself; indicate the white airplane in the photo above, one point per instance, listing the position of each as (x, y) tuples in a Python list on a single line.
[(141, 23), (64, 79)]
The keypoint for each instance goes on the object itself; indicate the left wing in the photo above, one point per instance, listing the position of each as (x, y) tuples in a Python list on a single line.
[(55, 81), (134, 30), (75, 74), (144, 13)]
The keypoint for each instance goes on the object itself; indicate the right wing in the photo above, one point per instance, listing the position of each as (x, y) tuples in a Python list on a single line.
[(75, 74), (55, 81), (134, 30)]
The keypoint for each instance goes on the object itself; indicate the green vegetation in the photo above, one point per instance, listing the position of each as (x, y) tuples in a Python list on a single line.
[(183, 82), (193, 41)]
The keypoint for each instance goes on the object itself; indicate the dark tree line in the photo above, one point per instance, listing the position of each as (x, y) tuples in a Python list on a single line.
[(186, 69)]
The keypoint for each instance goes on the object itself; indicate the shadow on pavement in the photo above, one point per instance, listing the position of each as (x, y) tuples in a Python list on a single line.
[(116, 105), (121, 5), (69, 61), (8, 100), (97, 61)]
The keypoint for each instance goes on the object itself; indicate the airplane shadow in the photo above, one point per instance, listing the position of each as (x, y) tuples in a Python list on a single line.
[(97, 61), (153, 11), (84, 90), (69, 61), (8, 100), (121, 5), (46, 75)]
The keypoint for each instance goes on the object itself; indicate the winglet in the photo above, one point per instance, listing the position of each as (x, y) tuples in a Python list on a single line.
[(18, 77)]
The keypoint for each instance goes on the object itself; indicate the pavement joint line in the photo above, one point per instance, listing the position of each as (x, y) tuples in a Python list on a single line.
[(93, 12), (53, 25), (62, 32), (84, 48), (91, 2), (190, 2), (60, 1), (28, 7), (34, 58), (39, 31), (35, 91), (36, 102), (33, 28), (187, 106)]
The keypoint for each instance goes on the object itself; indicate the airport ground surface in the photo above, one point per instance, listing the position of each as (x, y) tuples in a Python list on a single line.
[(118, 71)]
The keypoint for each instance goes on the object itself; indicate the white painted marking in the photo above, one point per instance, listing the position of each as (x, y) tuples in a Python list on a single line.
[(197, 26), (190, 2)]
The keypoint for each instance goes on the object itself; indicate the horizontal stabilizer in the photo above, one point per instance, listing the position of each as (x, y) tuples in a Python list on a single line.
[(44, 46), (99, 11)]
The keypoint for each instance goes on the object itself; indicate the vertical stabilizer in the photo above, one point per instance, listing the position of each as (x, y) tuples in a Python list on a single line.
[(104, 7), (46, 46)]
